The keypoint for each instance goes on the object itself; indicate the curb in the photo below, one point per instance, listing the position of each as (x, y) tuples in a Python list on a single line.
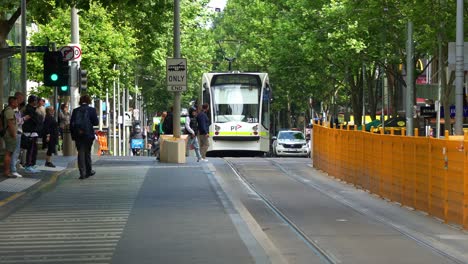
[(16, 201)]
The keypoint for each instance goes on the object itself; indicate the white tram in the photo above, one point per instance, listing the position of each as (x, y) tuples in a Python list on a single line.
[(239, 111)]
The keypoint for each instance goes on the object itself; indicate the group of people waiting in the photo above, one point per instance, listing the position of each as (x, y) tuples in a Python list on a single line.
[(196, 127), (24, 123)]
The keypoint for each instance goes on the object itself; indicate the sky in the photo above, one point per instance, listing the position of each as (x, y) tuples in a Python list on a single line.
[(217, 3)]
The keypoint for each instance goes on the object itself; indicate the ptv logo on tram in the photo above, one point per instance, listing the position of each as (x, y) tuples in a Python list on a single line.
[(235, 127)]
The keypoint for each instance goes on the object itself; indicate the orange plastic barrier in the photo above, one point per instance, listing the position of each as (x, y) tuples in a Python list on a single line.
[(427, 174), (102, 139)]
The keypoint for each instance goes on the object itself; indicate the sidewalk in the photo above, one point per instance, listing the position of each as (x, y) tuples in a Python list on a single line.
[(14, 192)]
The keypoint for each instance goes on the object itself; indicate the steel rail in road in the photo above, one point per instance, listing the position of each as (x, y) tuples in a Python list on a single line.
[(367, 214), (324, 256)]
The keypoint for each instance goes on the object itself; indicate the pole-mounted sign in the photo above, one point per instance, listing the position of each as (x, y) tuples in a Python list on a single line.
[(176, 72)]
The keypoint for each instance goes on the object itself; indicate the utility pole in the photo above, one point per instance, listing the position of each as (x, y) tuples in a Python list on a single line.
[(459, 72), (177, 94), (24, 76), (409, 80)]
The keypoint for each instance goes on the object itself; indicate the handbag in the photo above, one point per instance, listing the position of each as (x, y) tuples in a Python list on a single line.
[(26, 142)]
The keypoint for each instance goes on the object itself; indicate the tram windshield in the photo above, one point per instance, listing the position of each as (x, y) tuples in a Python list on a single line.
[(236, 98)]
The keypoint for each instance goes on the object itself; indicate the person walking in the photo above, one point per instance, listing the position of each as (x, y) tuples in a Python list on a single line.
[(203, 130), (82, 120), (31, 129), (19, 124), (9, 125), (191, 126), (50, 136)]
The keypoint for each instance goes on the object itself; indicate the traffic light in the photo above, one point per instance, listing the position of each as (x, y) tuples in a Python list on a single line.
[(63, 90), (83, 80), (56, 71)]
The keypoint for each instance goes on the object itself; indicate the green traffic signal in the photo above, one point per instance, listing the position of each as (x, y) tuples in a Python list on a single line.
[(54, 77), (64, 88)]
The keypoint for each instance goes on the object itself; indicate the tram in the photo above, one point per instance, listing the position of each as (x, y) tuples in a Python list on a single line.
[(239, 112)]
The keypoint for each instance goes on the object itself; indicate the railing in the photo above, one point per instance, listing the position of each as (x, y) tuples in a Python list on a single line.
[(424, 173)]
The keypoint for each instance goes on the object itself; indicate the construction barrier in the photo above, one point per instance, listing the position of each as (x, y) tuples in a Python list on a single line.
[(423, 173), (102, 139)]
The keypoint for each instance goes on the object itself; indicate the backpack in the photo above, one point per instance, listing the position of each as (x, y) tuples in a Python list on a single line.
[(82, 126)]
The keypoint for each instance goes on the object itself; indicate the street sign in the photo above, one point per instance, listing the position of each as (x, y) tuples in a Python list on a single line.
[(71, 52), (176, 72), (128, 119)]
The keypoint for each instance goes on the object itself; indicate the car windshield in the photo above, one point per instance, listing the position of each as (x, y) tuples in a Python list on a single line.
[(292, 135)]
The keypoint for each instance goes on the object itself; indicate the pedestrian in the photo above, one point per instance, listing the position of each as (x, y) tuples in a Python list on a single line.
[(50, 136), (9, 125), (41, 108), (168, 123), (191, 126), (161, 124), (203, 130), (19, 124), (64, 117), (31, 130), (82, 120), (64, 120)]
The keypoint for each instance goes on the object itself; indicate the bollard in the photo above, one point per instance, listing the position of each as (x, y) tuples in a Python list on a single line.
[(416, 132)]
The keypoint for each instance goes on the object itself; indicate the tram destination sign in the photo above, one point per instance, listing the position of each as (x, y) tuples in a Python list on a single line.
[(176, 72)]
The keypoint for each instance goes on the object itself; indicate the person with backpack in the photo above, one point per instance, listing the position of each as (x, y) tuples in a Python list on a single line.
[(82, 120), (9, 135), (31, 130)]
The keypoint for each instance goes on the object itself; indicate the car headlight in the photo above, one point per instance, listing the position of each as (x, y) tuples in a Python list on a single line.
[(281, 144)]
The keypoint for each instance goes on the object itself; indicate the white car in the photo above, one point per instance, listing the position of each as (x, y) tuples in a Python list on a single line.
[(290, 143)]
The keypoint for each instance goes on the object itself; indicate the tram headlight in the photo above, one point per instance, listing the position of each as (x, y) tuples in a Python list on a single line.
[(255, 129), (217, 129)]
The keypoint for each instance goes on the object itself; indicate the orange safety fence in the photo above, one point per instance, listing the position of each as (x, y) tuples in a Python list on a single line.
[(424, 173), (102, 139)]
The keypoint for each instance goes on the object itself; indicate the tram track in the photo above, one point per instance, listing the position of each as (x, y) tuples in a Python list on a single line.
[(325, 257), (366, 213)]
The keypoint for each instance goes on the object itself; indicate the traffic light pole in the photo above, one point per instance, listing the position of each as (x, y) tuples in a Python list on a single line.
[(75, 65), (68, 148)]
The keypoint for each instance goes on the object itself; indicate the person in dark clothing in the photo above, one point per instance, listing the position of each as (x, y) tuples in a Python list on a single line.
[(191, 126), (138, 135), (168, 128), (50, 135), (82, 133), (31, 130), (203, 130)]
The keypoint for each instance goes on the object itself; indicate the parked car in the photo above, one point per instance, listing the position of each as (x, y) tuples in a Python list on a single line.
[(290, 143)]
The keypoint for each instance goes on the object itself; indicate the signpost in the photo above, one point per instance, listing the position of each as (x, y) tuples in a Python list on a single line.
[(176, 72)]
